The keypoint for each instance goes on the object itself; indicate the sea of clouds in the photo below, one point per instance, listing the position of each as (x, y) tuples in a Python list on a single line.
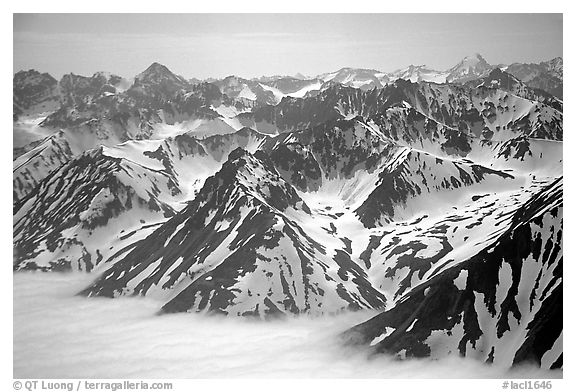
[(60, 335)]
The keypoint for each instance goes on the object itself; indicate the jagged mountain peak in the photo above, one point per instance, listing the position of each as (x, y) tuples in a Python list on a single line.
[(500, 79), (156, 67), (556, 67), (361, 78), (474, 58), (34, 92), (472, 61), (412, 67), (234, 79), (547, 75), (157, 79), (470, 67), (108, 77), (32, 76), (252, 197), (257, 176), (348, 73), (522, 323), (502, 76), (239, 240), (156, 73), (418, 73)]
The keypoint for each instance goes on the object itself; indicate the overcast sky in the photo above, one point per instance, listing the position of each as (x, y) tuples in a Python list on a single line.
[(248, 45)]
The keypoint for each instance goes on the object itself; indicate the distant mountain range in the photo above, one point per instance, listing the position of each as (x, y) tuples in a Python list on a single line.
[(432, 197), (32, 88)]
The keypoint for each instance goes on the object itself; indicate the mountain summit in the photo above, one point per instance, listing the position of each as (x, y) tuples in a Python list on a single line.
[(432, 201), (158, 76), (470, 67)]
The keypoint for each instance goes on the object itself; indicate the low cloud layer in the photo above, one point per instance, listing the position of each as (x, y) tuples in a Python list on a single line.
[(59, 335)]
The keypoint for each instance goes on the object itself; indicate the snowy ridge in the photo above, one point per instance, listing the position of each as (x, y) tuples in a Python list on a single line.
[(33, 166), (471, 67), (243, 207), (433, 198), (419, 73), (65, 222), (501, 305), (150, 178), (412, 175)]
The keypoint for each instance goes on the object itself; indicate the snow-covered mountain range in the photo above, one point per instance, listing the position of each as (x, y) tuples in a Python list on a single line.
[(432, 197)]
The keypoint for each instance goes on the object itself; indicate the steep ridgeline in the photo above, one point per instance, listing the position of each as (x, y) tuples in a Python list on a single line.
[(158, 82), (249, 92), (372, 172), (547, 75), (107, 109), (38, 96), (81, 90), (470, 67), (263, 91), (236, 249), (222, 237), (35, 165), (410, 175), (441, 119), (478, 113), (440, 205), (502, 80), (419, 73), (501, 304), (34, 92), (65, 223), (294, 87), (102, 200), (110, 119), (364, 79), (135, 111), (488, 114), (333, 151)]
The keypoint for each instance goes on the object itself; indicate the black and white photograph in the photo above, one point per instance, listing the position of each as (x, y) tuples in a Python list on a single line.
[(287, 196)]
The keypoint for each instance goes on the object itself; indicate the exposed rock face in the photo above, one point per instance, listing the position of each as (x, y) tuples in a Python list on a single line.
[(106, 193), (547, 75), (505, 81), (503, 304), (471, 67), (433, 197), (34, 91), (235, 250)]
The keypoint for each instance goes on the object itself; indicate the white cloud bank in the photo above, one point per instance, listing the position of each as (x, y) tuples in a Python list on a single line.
[(59, 335)]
